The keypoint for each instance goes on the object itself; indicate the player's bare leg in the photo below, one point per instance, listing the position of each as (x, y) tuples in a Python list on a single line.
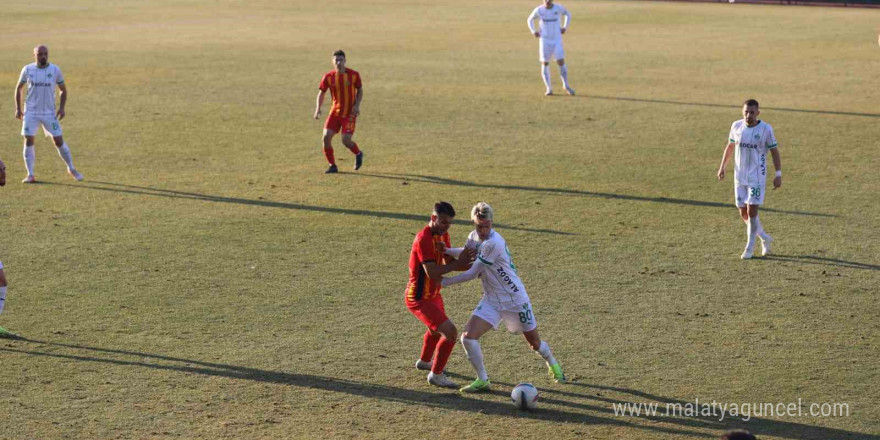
[(29, 159), (563, 73), (545, 74), (444, 348), (64, 152), (327, 140), (470, 340), (353, 147), (543, 349)]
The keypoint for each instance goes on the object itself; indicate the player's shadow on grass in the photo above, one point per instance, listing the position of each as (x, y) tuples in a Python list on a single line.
[(575, 192), (821, 261), (158, 192), (739, 107), (447, 400)]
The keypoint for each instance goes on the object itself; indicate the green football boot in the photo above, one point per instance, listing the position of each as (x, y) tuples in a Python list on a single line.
[(477, 386), (7, 334), (555, 371)]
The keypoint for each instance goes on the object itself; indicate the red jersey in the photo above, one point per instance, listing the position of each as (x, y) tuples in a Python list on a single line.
[(424, 249), (343, 87)]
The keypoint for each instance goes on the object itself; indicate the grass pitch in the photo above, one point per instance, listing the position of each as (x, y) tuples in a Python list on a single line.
[(208, 281)]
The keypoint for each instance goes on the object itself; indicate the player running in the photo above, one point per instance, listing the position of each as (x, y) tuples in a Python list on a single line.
[(504, 299), (427, 264), (550, 40), (345, 88), (752, 139), (41, 78)]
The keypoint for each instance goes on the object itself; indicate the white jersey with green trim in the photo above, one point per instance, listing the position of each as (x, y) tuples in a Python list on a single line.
[(41, 84), (501, 284), (752, 144), (551, 21)]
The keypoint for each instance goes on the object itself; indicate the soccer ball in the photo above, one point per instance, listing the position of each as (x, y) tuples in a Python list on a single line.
[(524, 396)]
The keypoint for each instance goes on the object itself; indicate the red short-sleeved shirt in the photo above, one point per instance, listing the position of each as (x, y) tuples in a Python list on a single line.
[(424, 249), (343, 87)]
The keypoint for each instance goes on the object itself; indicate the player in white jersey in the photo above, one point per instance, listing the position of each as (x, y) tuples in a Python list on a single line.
[(41, 79), (550, 40), (504, 298), (752, 139)]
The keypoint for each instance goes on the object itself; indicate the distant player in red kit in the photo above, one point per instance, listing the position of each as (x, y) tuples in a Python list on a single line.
[(345, 87), (427, 265)]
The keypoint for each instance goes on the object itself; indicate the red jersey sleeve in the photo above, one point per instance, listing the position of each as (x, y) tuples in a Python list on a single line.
[(425, 250), (325, 82)]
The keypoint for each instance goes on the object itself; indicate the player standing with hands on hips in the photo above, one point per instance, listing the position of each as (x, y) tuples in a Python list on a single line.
[(550, 40), (752, 138), (345, 88), (41, 78)]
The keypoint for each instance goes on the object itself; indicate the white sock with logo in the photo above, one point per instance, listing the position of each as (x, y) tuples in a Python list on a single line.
[(544, 352), (64, 152), (29, 158), (545, 73), (475, 356), (563, 72)]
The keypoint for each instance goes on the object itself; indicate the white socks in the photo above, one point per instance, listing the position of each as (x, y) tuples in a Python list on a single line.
[(475, 356), (563, 72), (545, 73), (761, 232), (544, 352), (2, 298), (64, 152), (29, 157), (752, 231)]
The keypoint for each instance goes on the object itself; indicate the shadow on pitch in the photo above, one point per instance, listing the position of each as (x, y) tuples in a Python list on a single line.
[(157, 192), (739, 107), (564, 191), (822, 261), (450, 400)]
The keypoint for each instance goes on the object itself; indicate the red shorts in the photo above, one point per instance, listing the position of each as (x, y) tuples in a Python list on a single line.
[(340, 124), (430, 312)]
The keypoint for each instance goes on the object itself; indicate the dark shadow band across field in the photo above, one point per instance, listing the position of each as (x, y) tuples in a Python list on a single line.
[(822, 261), (702, 104), (565, 191), (589, 400), (158, 192)]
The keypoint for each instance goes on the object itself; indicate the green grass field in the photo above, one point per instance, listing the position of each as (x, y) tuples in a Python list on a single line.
[(207, 280)]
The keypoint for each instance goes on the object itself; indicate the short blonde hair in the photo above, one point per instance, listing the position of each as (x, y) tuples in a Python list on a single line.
[(481, 211)]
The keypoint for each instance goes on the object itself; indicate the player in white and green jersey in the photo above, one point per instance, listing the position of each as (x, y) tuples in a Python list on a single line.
[(41, 79), (752, 139), (504, 298)]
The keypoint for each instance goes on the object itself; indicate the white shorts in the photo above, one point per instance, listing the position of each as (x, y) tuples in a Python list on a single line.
[(517, 318), (50, 124), (548, 49), (748, 195)]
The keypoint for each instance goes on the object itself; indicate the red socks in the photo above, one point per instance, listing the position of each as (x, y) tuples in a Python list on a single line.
[(355, 149), (444, 349), (429, 346), (328, 153)]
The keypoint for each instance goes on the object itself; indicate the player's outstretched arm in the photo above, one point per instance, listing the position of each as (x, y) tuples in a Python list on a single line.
[(724, 159), (436, 271), (319, 102), (472, 273), (777, 164)]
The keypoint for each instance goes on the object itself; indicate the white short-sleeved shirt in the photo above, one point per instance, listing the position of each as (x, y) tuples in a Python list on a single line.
[(551, 21), (752, 144), (501, 284), (41, 84)]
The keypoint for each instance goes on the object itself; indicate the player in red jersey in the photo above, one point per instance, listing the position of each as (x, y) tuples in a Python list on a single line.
[(345, 87), (427, 265)]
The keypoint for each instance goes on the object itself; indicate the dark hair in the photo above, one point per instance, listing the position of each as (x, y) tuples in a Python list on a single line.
[(739, 434), (339, 53), (751, 103), (444, 208)]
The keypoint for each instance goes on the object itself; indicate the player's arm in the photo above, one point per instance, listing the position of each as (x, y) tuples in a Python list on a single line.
[(475, 271), (18, 113), (777, 164), (728, 150), (356, 109), (531, 23), (62, 88), (319, 103), (567, 20)]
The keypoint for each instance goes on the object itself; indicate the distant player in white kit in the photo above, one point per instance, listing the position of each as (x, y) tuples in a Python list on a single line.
[(550, 40), (752, 139), (41, 78), (504, 298)]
